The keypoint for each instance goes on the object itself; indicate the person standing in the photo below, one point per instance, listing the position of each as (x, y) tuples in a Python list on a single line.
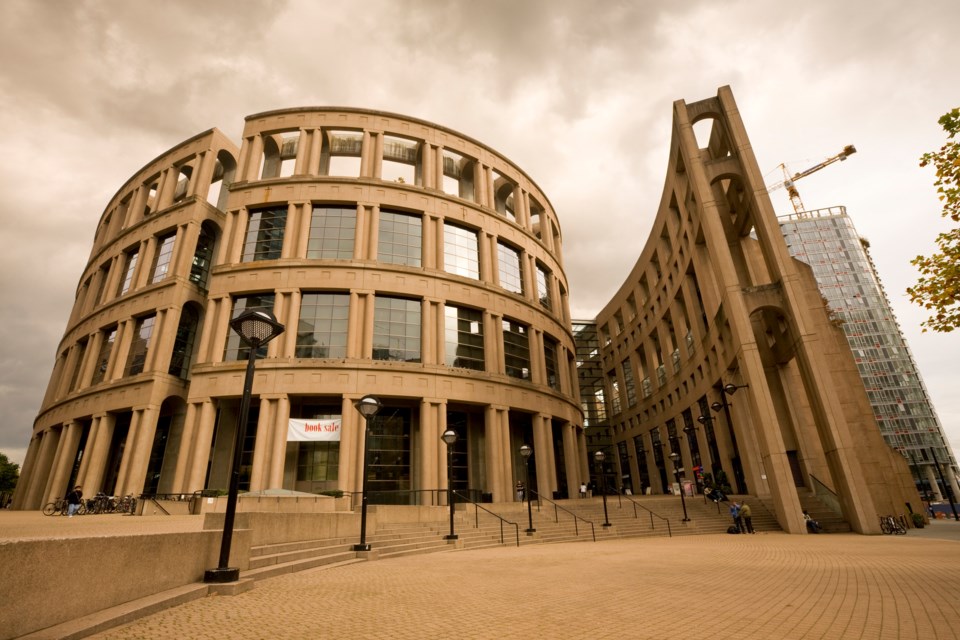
[(747, 517), (74, 498), (520, 492), (735, 514), (583, 489)]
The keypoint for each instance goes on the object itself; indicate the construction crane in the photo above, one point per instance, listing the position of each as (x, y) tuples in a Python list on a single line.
[(789, 182)]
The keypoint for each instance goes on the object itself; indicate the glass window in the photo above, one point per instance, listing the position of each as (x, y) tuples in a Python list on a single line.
[(543, 287), (396, 329), (400, 238), (550, 347), (202, 258), (129, 266), (464, 338), (461, 253), (322, 332), (183, 343), (103, 358), (400, 161), (628, 383), (235, 348), (332, 232), (516, 349), (161, 262), (264, 239), (511, 271), (137, 356)]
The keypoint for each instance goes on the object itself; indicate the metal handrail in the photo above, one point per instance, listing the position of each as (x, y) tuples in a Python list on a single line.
[(556, 515), (652, 514), (827, 496), (498, 517)]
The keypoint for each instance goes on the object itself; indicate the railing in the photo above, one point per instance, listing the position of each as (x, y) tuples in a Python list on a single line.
[(556, 515), (409, 497), (477, 509), (826, 495), (652, 515)]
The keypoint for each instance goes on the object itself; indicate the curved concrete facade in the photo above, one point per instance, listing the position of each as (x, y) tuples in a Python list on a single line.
[(406, 261), (715, 300)]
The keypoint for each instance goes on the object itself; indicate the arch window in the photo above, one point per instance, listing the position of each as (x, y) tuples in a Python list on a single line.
[(129, 266), (458, 175), (161, 261), (463, 329), (401, 161), (516, 349), (137, 356), (543, 287), (235, 348), (322, 331), (536, 218), (550, 348), (400, 238), (396, 329), (340, 155), (151, 203), (461, 252), (180, 357), (332, 233), (510, 268), (264, 238), (103, 357), (202, 257)]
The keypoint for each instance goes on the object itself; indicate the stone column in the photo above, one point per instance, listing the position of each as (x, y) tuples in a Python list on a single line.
[(351, 423), (187, 442), (65, 459), (429, 446), (27, 474), (199, 456), (494, 447), (98, 452), (39, 477), (279, 452), (263, 447)]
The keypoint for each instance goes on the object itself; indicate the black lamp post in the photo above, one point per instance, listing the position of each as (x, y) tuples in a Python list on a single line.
[(449, 437), (675, 458), (255, 328), (526, 451), (599, 457), (368, 406)]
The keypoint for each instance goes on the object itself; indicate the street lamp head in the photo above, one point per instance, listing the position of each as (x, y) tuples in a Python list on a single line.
[(449, 436), (674, 456), (599, 456), (731, 389), (368, 406), (703, 419), (716, 406), (689, 429), (256, 327), (526, 451)]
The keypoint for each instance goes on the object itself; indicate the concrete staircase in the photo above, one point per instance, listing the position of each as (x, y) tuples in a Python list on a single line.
[(830, 521), (629, 517)]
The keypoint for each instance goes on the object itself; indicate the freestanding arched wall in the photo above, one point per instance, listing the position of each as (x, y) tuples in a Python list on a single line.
[(714, 300), (406, 261)]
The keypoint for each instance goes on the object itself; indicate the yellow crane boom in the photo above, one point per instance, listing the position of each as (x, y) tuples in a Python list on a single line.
[(789, 181)]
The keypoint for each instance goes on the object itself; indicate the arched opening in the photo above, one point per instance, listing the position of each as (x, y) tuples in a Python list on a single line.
[(184, 342), (458, 175), (183, 183), (340, 153), (503, 199), (223, 173), (167, 437), (402, 161)]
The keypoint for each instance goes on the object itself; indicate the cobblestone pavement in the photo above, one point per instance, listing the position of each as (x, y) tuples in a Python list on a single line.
[(763, 586)]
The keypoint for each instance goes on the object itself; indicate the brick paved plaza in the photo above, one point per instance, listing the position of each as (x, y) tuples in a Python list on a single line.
[(763, 586)]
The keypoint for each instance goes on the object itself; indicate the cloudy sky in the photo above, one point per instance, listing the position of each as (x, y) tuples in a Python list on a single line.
[(577, 93)]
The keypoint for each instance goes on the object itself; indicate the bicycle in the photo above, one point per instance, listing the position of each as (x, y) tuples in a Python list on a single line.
[(890, 525), (57, 507)]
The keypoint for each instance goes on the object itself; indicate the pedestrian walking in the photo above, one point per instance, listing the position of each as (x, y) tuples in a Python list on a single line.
[(74, 499), (583, 489), (747, 517)]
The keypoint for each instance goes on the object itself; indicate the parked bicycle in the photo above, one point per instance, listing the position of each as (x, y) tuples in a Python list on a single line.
[(890, 525), (59, 507)]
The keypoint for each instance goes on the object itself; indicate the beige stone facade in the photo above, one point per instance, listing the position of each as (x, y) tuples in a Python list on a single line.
[(715, 300), (406, 261), (413, 263)]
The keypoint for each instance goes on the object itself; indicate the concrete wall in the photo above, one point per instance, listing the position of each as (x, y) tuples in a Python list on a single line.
[(47, 582)]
